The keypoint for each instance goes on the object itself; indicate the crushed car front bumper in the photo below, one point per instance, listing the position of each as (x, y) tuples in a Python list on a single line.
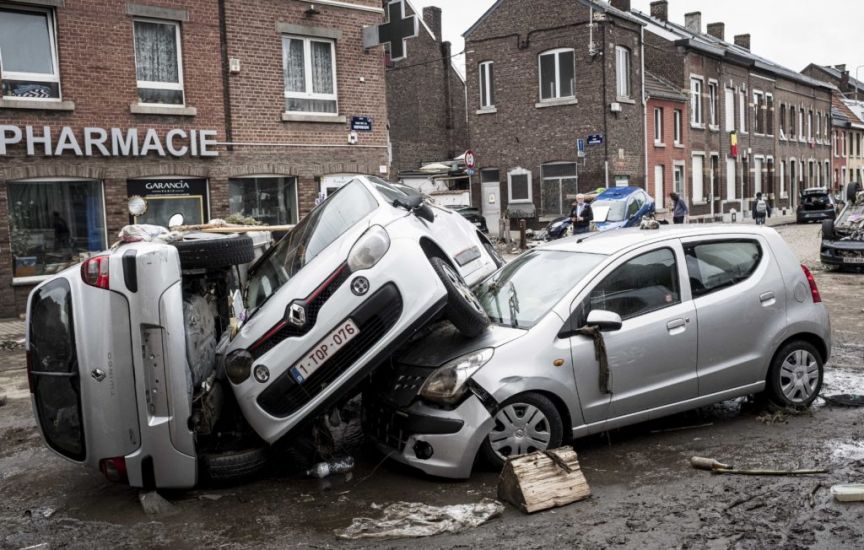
[(842, 252)]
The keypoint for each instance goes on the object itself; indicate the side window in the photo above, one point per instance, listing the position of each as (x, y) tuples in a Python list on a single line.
[(720, 264), (644, 284), (633, 207)]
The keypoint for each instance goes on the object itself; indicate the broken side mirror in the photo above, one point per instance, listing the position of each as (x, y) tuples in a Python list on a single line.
[(606, 321), (409, 203)]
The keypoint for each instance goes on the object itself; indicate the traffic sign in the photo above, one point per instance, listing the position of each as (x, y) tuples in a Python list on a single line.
[(470, 160), (595, 139)]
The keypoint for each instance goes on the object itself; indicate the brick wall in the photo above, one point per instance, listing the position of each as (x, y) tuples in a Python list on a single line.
[(666, 153)]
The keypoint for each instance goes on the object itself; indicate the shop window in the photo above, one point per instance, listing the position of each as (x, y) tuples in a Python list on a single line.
[(622, 72), (28, 54), (53, 223), (558, 189), (557, 74), (310, 75), (271, 201), (158, 62), (487, 85), (166, 197)]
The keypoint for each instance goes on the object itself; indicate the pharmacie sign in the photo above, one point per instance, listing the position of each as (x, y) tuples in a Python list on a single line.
[(107, 142)]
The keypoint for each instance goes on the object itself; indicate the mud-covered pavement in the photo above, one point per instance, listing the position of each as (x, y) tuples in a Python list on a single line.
[(645, 495)]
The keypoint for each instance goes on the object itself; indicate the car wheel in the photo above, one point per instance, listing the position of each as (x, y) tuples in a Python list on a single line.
[(234, 466), (463, 308), (524, 424), (828, 230), (499, 261), (215, 253), (795, 376)]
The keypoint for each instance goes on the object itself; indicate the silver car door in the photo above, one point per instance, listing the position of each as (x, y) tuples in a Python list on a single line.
[(652, 358), (740, 300)]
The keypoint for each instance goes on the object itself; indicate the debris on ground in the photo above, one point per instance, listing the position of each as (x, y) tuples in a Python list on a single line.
[(44, 512), (543, 480), (2, 399), (325, 469), (413, 519), (682, 428), (848, 492), (154, 505), (715, 467), (12, 345), (845, 400)]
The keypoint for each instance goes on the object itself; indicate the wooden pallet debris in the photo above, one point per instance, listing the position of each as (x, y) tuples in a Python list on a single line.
[(543, 480)]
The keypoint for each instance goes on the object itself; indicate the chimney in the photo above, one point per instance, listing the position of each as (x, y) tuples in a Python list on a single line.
[(693, 21), (841, 68), (660, 10), (743, 40), (432, 17), (623, 5), (717, 30)]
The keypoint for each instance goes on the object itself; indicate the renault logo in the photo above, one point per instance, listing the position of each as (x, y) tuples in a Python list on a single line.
[(297, 314), (360, 286)]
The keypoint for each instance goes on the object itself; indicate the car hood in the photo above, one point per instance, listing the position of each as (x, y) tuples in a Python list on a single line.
[(604, 226), (443, 343)]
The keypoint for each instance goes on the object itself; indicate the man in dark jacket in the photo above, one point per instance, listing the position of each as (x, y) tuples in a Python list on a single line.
[(679, 208), (581, 215), (761, 209)]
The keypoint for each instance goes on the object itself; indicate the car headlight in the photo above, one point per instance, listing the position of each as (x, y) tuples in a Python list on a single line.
[(447, 384), (238, 365), (369, 249)]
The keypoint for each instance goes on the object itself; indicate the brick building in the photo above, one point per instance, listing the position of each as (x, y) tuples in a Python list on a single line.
[(540, 79), (202, 107), (849, 152), (737, 95), (666, 135), (839, 76), (426, 99)]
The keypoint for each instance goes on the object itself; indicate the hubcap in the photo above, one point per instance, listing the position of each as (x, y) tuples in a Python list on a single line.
[(799, 376), (463, 289), (519, 428)]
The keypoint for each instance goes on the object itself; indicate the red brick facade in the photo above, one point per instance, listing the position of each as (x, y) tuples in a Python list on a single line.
[(666, 154)]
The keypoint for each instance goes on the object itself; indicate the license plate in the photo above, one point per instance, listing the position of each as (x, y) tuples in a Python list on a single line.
[(324, 350), (854, 260)]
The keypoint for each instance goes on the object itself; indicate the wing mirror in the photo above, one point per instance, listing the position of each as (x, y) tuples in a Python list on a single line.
[(606, 321), (415, 204)]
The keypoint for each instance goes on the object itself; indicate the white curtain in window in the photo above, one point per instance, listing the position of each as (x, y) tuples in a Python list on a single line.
[(322, 68), (295, 65), (25, 43), (156, 52), (698, 186), (622, 58)]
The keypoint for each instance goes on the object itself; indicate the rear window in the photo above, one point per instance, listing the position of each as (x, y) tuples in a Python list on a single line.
[(715, 265), (53, 362)]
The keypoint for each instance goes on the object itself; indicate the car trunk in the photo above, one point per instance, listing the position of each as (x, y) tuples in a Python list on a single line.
[(816, 202)]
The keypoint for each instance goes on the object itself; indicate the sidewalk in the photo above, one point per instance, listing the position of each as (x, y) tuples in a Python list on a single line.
[(11, 329)]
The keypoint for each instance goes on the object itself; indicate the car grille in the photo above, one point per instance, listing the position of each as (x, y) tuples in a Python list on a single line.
[(400, 383), (383, 424), (314, 303), (849, 253), (374, 318)]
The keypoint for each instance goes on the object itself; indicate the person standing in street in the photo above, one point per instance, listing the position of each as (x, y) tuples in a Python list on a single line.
[(761, 209), (581, 215), (679, 208)]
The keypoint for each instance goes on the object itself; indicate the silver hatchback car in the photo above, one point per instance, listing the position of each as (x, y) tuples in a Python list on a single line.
[(689, 316)]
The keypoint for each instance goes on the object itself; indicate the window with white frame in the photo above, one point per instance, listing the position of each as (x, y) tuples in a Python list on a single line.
[(309, 65), (698, 167), (742, 111), (158, 62), (783, 121), (519, 186), (677, 126), (729, 107), (678, 179), (713, 108), (696, 118), (28, 53), (810, 125), (758, 113), (557, 74), (769, 114), (622, 72), (782, 178), (487, 85), (801, 133), (658, 125)]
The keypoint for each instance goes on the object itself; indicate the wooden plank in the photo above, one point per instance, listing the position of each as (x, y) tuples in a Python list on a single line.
[(537, 481)]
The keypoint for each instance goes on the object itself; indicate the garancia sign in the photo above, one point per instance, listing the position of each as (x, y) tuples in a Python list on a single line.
[(113, 142)]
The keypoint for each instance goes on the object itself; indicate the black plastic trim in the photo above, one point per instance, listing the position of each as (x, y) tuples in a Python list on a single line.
[(130, 270)]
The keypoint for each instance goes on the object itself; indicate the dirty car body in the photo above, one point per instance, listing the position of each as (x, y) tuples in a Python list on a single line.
[(843, 238), (621, 207), (534, 380)]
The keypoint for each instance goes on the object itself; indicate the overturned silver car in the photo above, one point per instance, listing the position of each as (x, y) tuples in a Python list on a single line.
[(843, 238)]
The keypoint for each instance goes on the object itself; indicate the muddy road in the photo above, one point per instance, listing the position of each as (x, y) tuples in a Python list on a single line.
[(645, 495)]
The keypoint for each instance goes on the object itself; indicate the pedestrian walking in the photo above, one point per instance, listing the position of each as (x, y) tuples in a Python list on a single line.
[(761, 209), (581, 215), (679, 208)]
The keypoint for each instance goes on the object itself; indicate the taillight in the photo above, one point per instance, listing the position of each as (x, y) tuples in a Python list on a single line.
[(814, 290), (95, 271), (114, 469)]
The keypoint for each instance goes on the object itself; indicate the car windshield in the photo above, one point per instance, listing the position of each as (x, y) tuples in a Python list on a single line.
[(512, 296), (609, 211), (324, 225)]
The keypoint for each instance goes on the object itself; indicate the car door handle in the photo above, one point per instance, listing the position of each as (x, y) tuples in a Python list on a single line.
[(676, 326), (767, 298)]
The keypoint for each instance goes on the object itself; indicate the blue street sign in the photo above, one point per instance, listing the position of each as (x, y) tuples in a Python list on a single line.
[(580, 145), (595, 139), (361, 123)]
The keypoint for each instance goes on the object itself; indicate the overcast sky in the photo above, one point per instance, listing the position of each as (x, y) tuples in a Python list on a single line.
[(793, 33)]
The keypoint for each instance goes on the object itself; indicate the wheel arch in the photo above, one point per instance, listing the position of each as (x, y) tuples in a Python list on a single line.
[(432, 250), (808, 337)]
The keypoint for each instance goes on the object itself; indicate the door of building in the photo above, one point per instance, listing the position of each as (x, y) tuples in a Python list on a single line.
[(491, 199), (658, 186), (730, 179)]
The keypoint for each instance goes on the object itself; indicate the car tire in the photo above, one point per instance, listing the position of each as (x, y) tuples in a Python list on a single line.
[(463, 308), (795, 377), (234, 466), (828, 230), (499, 261), (215, 253), (510, 417)]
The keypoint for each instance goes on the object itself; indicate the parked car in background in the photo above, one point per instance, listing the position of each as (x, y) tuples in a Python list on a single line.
[(138, 367), (843, 238), (471, 214), (533, 381), (816, 204), (620, 207)]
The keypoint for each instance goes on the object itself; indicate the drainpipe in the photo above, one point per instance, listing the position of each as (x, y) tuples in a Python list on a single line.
[(226, 87), (645, 112), (605, 107)]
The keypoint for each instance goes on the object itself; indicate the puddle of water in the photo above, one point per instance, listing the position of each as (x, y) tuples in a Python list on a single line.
[(839, 381)]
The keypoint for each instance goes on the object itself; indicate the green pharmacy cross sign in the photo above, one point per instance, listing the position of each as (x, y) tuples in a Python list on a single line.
[(395, 32)]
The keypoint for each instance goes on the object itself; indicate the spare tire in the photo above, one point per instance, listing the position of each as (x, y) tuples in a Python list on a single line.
[(215, 253), (234, 466)]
